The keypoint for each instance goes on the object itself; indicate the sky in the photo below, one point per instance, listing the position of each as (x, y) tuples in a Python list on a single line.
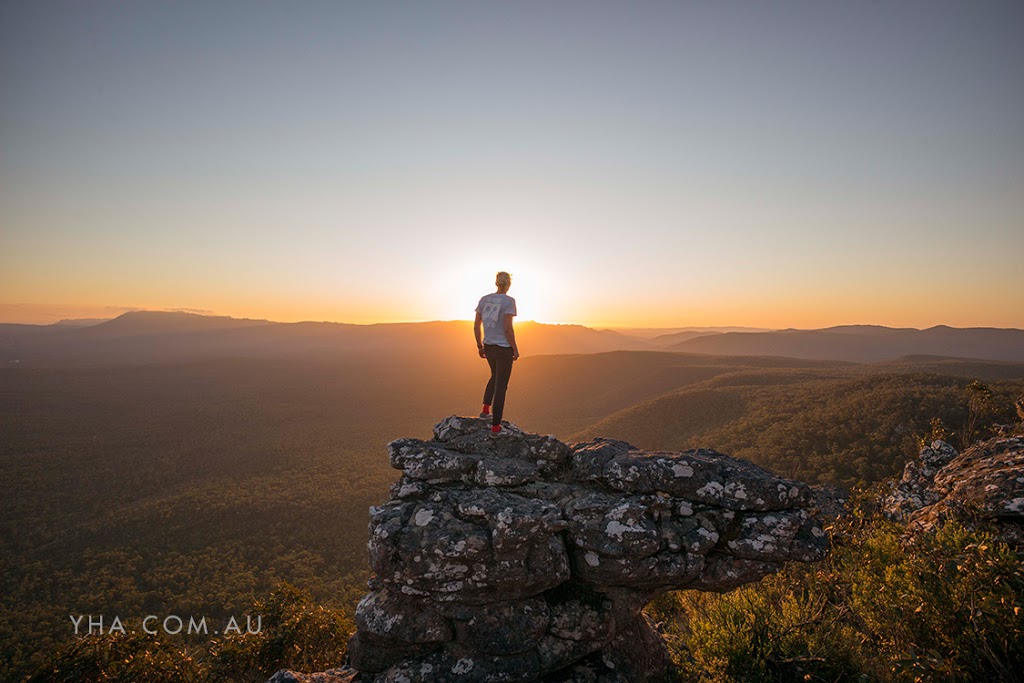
[(772, 164)]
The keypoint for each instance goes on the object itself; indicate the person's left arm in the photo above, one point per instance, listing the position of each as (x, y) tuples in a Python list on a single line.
[(511, 335)]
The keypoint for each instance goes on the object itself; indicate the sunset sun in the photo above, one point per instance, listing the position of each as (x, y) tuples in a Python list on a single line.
[(536, 286)]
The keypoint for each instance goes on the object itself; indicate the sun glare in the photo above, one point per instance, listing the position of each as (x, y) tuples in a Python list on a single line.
[(536, 285)]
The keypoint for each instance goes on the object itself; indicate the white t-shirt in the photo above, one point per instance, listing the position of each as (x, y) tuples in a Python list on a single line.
[(492, 309)]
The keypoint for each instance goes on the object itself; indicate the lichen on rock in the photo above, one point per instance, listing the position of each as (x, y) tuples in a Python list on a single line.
[(983, 487), (515, 557)]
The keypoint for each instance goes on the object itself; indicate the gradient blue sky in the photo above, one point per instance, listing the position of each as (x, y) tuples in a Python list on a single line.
[(694, 163)]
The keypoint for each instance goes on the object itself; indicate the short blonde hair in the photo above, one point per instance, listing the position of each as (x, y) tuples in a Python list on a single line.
[(503, 280)]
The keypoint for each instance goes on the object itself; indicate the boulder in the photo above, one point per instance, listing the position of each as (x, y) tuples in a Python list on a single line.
[(516, 557), (983, 487)]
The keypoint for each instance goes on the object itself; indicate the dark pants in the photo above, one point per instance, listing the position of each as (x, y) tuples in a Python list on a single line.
[(500, 360)]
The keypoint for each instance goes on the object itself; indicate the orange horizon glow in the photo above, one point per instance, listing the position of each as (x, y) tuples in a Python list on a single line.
[(45, 314)]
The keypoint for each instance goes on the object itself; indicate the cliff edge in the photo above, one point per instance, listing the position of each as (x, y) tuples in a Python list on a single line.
[(519, 558)]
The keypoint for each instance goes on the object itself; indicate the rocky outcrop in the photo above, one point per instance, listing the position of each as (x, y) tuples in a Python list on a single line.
[(915, 490), (981, 487), (516, 557)]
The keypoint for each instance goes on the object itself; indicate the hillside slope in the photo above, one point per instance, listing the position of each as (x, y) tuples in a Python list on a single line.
[(838, 426)]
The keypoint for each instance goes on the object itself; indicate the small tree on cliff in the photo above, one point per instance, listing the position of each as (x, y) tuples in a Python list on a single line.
[(980, 406), (936, 432)]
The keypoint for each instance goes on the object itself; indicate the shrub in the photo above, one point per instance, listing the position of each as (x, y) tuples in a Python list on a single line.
[(946, 607), (120, 658), (298, 634)]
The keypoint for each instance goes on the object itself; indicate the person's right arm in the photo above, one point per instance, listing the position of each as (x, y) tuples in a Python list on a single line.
[(477, 324), (511, 336)]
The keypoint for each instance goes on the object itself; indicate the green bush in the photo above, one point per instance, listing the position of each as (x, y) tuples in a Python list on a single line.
[(121, 658), (947, 607), (777, 630), (299, 634)]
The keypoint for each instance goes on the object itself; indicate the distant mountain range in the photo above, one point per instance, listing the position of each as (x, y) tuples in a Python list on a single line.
[(864, 343), (153, 336), (668, 335)]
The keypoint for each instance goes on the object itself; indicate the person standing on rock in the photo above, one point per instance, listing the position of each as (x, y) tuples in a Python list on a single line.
[(498, 345)]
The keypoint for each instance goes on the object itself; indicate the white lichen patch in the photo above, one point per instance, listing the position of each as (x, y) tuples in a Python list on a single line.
[(685, 509), (463, 666), (712, 489), (592, 559), (424, 517), (709, 534), (736, 490), (616, 512), (616, 529), (682, 469)]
